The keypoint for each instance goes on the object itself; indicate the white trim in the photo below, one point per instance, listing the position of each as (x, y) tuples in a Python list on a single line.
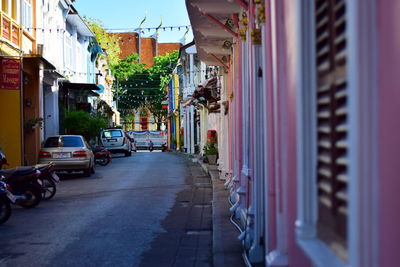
[(265, 130), (320, 254), (279, 255), (306, 231), (256, 252), (363, 228)]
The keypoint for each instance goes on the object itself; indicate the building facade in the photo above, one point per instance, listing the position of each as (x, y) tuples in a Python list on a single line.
[(311, 92), (48, 53)]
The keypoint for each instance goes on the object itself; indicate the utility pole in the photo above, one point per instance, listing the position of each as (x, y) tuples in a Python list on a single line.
[(116, 101)]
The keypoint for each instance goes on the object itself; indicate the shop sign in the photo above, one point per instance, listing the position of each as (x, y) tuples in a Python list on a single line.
[(10, 74)]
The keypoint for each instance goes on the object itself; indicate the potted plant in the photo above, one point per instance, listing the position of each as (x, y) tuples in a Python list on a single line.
[(211, 152), (31, 124)]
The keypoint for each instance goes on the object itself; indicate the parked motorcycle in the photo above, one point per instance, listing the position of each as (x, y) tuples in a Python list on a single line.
[(49, 179), (24, 184), (6, 198), (102, 155), (163, 147)]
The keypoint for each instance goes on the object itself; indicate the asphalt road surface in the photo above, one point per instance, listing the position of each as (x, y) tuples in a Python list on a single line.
[(108, 219)]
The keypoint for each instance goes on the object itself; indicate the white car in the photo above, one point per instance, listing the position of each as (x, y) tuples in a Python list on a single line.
[(68, 153), (116, 141)]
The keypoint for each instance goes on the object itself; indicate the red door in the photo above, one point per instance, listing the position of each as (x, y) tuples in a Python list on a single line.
[(143, 123)]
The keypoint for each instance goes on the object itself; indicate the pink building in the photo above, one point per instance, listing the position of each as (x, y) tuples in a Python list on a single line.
[(313, 93)]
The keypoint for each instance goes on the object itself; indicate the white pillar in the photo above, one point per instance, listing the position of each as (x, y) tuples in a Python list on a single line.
[(187, 130), (192, 130)]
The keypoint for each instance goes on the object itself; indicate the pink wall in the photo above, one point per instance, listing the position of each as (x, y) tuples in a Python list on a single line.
[(270, 199), (238, 107), (289, 44), (251, 104), (389, 142)]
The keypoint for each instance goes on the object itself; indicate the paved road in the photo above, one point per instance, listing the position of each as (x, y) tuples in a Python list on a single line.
[(120, 216)]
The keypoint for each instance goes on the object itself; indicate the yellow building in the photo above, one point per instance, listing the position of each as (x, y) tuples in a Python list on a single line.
[(20, 92), (11, 134)]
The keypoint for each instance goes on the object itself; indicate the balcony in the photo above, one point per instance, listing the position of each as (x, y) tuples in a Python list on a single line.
[(10, 30)]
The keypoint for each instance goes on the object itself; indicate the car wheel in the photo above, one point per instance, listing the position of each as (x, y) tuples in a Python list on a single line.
[(128, 153), (87, 172)]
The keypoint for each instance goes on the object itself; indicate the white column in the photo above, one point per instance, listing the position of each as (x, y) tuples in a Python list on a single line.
[(187, 129), (192, 130), (9, 8)]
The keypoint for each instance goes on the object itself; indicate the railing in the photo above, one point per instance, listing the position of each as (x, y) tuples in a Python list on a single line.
[(10, 29)]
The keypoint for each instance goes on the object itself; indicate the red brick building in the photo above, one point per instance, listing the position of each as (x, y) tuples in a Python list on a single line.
[(149, 48)]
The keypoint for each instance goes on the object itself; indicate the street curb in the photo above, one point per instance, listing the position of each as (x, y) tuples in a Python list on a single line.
[(227, 250)]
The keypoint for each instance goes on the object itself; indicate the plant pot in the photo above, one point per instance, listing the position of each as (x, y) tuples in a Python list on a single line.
[(212, 159)]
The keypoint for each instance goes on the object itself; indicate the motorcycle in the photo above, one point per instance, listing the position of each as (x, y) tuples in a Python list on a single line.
[(6, 198), (151, 146), (163, 147), (102, 155), (49, 179), (24, 184)]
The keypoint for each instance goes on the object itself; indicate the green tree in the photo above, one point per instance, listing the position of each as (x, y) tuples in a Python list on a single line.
[(82, 123), (108, 42), (140, 86)]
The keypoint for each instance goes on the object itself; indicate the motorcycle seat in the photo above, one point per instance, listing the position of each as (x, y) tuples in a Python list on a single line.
[(18, 171), (98, 149)]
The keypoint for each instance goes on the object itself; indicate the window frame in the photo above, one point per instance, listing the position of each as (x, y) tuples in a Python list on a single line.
[(307, 207), (68, 50), (27, 20), (363, 219)]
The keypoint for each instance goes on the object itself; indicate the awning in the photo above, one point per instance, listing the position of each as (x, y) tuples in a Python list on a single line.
[(210, 83), (80, 86), (100, 88), (207, 91), (40, 61)]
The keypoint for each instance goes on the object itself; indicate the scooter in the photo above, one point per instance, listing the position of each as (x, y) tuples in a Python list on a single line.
[(49, 179), (163, 148), (6, 198), (102, 155), (24, 184)]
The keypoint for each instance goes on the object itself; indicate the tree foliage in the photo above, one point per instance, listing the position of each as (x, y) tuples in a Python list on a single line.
[(82, 123), (108, 42), (143, 87)]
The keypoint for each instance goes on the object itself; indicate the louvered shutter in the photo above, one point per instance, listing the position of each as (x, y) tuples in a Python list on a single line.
[(332, 130)]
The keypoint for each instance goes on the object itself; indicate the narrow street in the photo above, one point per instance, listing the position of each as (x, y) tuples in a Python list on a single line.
[(150, 209)]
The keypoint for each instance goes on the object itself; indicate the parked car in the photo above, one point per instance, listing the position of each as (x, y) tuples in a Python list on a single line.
[(69, 153), (116, 141)]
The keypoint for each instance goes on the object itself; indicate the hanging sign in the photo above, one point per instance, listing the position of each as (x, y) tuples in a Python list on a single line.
[(10, 74)]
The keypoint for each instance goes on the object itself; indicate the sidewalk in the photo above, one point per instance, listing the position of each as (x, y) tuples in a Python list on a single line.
[(227, 250)]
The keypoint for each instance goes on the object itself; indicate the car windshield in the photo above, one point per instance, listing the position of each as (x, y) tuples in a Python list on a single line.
[(112, 133), (64, 141)]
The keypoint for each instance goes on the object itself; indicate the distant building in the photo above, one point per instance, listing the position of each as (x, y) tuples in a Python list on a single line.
[(129, 43)]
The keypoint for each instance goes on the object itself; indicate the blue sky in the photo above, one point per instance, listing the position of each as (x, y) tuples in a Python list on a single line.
[(123, 14)]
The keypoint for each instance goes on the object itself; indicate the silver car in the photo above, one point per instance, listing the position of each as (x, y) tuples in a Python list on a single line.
[(69, 153), (116, 141)]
